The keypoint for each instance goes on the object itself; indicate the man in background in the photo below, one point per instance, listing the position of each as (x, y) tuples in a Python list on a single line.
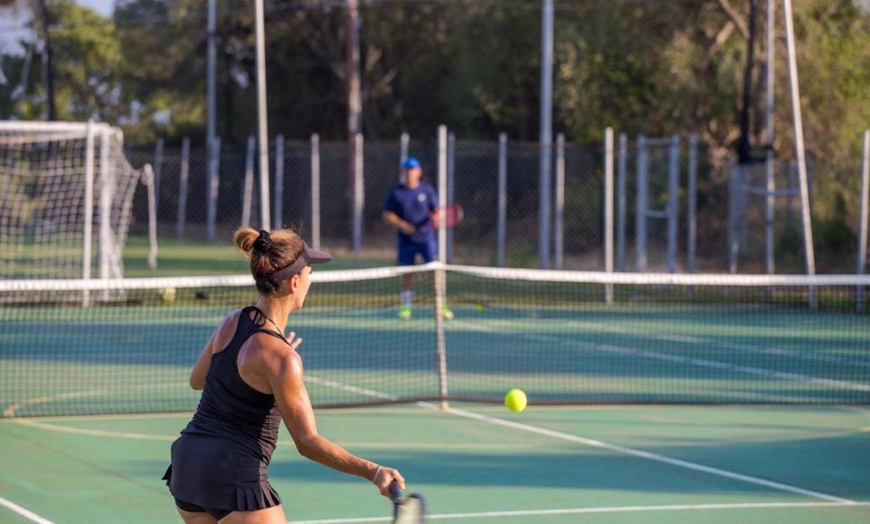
[(409, 208)]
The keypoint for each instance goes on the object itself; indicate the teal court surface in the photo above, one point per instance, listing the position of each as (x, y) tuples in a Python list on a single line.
[(479, 464)]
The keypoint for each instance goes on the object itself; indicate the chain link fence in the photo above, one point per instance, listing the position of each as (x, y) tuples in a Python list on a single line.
[(726, 212)]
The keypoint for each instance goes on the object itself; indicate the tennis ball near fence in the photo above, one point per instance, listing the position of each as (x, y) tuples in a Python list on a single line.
[(168, 294), (515, 400)]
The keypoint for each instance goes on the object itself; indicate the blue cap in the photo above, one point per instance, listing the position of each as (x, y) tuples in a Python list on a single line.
[(411, 163)]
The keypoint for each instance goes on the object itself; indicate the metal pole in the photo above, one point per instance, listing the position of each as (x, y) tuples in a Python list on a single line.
[(451, 175), (212, 189), (608, 211), (546, 133), (89, 211), (692, 190), (799, 149), (149, 178), (182, 188), (442, 189), (211, 112), (158, 168), (358, 195), (769, 158), (734, 192), (315, 190), (262, 125), (640, 207), (673, 201), (404, 143), (621, 202), (106, 193), (440, 276), (248, 187), (862, 227), (278, 211), (502, 197), (559, 218), (354, 109)]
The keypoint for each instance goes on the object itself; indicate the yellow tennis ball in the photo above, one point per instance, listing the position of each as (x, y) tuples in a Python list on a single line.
[(168, 294), (515, 400)]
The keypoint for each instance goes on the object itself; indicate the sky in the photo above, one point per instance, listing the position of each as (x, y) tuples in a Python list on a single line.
[(10, 35)]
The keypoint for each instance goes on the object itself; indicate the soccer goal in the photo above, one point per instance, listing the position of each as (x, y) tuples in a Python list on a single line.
[(66, 191)]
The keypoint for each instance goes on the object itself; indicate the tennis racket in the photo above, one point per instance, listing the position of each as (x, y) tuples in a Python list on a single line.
[(448, 216), (407, 510)]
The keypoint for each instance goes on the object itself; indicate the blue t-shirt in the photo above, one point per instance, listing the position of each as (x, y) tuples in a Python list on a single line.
[(414, 206)]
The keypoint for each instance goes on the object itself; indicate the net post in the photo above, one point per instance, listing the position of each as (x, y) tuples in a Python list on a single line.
[(440, 282), (440, 276)]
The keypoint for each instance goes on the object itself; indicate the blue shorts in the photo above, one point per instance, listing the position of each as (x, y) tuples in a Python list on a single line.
[(408, 252)]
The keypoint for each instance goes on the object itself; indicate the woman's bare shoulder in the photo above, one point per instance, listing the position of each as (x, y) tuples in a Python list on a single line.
[(225, 331)]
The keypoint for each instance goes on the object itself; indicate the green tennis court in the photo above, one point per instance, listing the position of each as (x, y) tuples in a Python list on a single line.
[(707, 401), (480, 464)]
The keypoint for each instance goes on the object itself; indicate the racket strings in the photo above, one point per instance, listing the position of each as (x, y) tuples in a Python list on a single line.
[(410, 511)]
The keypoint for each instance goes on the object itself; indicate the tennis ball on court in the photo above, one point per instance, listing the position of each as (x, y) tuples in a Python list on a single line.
[(168, 294), (478, 307), (515, 400)]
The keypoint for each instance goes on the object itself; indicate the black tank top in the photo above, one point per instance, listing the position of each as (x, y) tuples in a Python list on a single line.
[(231, 409)]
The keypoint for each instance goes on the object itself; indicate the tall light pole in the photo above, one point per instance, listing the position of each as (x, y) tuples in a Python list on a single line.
[(262, 123), (211, 54), (354, 108)]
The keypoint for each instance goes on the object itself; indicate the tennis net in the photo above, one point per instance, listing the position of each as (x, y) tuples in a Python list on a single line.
[(563, 337)]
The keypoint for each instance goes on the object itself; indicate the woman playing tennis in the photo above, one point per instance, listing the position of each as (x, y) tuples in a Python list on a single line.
[(251, 377)]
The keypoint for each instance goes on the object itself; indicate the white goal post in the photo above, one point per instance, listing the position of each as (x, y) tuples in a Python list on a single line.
[(66, 192)]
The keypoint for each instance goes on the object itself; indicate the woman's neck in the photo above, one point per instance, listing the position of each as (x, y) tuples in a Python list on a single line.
[(276, 312)]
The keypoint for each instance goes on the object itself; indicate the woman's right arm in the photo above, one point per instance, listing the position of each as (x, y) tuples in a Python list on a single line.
[(286, 380)]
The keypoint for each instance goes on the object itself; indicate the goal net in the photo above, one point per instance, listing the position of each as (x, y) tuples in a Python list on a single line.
[(66, 192)]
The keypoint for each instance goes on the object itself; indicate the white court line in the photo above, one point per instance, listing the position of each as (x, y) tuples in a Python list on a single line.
[(24, 512), (595, 443), (577, 511), (650, 456)]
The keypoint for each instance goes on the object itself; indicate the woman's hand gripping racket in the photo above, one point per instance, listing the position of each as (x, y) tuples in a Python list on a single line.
[(448, 216), (407, 510)]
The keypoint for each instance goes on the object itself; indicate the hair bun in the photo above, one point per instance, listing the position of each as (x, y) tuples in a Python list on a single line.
[(263, 242)]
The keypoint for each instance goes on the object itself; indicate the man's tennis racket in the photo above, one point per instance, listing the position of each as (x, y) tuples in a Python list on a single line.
[(448, 216), (407, 510)]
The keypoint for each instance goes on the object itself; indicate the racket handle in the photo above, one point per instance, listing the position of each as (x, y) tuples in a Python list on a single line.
[(395, 492)]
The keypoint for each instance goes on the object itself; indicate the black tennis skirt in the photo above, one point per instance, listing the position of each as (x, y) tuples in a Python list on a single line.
[(217, 473)]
